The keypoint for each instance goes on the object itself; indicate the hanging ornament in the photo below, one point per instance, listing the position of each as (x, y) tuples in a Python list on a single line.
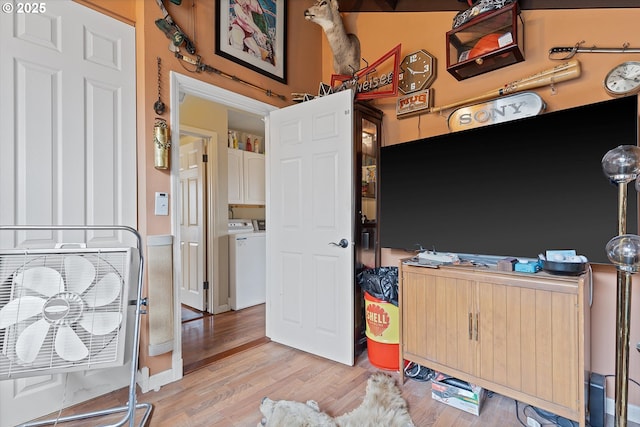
[(161, 144), (159, 106)]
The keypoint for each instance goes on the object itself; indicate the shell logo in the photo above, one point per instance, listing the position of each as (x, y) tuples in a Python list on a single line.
[(377, 319)]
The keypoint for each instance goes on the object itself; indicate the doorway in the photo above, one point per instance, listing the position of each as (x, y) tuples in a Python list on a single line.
[(206, 337), (217, 301)]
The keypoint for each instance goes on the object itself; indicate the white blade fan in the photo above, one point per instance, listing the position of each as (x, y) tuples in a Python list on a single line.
[(61, 310)]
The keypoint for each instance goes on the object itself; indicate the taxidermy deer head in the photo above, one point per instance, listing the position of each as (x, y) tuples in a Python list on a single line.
[(345, 46)]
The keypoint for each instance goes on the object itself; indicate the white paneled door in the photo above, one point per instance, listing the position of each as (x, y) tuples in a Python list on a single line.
[(192, 229), (68, 157), (310, 283)]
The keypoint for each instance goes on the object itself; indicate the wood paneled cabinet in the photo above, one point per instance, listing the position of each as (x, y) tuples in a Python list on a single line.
[(521, 335)]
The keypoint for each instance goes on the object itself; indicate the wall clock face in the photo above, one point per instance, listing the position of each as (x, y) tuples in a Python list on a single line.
[(623, 79), (417, 71)]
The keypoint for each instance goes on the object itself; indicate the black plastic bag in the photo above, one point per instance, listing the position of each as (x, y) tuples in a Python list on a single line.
[(381, 283)]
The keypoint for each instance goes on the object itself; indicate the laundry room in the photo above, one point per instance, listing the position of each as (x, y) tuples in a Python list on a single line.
[(233, 201)]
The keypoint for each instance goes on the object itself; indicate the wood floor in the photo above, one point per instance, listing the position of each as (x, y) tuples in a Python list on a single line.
[(227, 392), (207, 338)]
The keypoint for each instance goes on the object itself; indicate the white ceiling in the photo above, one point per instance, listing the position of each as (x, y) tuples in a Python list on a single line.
[(236, 119), (250, 123)]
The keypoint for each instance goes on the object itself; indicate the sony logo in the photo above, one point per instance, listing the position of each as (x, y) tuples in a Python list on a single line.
[(511, 107), (490, 114)]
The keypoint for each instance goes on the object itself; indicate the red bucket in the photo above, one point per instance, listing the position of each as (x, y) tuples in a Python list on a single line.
[(382, 330)]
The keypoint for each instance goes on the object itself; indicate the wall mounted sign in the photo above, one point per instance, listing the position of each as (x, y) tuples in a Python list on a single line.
[(414, 103), (512, 107), (367, 83), (378, 80)]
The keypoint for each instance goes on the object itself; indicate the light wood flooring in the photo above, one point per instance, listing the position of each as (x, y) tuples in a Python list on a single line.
[(226, 391)]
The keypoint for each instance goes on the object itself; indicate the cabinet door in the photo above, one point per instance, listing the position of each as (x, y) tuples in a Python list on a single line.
[(437, 320), (235, 178), (527, 341), (367, 138), (254, 178)]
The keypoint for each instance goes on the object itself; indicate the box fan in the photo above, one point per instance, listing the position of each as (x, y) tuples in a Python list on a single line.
[(70, 309)]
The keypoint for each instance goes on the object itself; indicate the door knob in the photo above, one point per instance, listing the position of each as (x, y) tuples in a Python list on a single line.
[(343, 243)]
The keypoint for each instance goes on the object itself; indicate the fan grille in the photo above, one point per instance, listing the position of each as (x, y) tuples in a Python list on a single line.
[(63, 310)]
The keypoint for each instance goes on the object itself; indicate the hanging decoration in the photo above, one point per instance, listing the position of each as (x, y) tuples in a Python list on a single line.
[(479, 8), (159, 106), (566, 52), (172, 31), (200, 66), (179, 38), (161, 144), (366, 82), (369, 80)]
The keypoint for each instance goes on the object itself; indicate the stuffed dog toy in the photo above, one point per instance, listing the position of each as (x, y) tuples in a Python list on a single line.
[(285, 413), (383, 405)]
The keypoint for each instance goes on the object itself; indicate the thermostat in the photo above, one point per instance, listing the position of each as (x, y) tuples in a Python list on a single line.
[(162, 203)]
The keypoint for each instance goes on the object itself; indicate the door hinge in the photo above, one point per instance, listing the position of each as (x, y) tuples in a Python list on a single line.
[(205, 286), (205, 158)]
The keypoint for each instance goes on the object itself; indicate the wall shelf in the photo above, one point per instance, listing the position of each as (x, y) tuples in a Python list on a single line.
[(488, 42)]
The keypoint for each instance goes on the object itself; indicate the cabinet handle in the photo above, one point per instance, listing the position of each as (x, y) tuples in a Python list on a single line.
[(477, 327), (470, 325)]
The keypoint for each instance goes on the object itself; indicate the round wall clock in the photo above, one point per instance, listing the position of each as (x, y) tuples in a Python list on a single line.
[(417, 71), (623, 79)]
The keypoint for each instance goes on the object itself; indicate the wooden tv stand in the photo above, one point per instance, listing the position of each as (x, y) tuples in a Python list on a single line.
[(525, 336)]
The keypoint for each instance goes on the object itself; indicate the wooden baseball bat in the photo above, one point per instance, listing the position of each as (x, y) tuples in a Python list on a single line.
[(560, 73)]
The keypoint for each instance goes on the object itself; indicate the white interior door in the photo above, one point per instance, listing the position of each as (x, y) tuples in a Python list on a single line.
[(68, 144), (192, 230), (309, 208)]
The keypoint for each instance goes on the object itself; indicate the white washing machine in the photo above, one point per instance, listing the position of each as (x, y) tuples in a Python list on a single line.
[(247, 264)]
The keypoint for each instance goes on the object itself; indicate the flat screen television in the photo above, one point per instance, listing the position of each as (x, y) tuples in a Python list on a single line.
[(511, 189)]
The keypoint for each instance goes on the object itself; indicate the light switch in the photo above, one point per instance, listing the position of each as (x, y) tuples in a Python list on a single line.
[(162, 203)]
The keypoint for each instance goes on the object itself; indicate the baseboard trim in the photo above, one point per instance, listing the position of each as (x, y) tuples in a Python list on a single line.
[(633, 411), (154, 382)]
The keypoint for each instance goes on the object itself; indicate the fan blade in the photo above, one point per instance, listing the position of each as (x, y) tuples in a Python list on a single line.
[(100, 323), (69, 346), (20, 309), (30, 341), (79, 273), (43, 280), (104, 292)]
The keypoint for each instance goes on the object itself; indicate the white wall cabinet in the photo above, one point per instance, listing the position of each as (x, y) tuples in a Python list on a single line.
[(246, 177)]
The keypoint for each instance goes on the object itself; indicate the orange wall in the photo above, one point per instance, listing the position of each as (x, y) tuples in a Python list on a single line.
[(310, 61)]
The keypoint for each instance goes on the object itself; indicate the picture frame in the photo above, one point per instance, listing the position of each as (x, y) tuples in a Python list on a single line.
[(252, 33)]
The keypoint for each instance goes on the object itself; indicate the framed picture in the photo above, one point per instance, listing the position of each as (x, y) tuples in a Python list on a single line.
[(253, 33)]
